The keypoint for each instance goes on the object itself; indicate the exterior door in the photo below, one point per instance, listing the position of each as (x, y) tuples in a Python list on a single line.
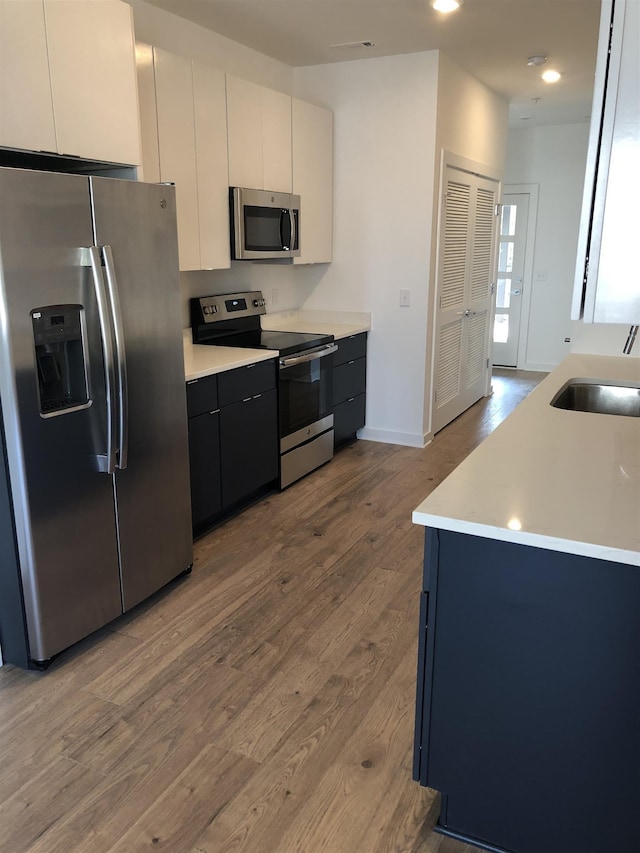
[(510, 280), (62, 503), (466, 262), (153, 502)]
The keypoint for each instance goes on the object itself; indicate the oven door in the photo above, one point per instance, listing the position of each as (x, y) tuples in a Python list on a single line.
[(306, 395)]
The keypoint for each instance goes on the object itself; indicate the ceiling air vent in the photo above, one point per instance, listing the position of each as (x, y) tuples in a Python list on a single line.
[(364, 43)]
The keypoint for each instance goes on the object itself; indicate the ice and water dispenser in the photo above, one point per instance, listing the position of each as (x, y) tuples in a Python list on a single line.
[(60, 358)]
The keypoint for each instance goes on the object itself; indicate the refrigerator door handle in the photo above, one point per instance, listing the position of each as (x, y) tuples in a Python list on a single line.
[(120, 359), (106, 463)]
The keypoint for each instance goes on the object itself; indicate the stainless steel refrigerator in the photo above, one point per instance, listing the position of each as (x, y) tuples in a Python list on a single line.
[(94, 472)]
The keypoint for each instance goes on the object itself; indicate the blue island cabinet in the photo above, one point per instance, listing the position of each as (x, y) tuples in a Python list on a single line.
[(528, 701)]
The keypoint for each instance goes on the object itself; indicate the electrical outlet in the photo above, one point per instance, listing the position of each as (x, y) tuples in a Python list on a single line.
[(405, 298), (541, 275), (275, 297)]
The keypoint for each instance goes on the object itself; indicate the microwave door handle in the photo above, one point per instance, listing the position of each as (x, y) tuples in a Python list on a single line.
[(120, 359), (106, 463), (294, 229), (283, 239)]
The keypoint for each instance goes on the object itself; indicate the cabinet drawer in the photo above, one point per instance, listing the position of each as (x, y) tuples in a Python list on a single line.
[(243, 382), (348, 417), (349, 380), (350, 348), (202, 395)]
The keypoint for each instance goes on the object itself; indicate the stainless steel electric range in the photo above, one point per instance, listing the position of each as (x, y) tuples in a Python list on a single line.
[(305, 376)]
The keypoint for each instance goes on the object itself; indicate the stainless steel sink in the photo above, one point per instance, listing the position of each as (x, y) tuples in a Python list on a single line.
[(596, 395)]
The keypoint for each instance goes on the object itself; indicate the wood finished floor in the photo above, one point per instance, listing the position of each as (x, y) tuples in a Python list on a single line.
[(263, 704)]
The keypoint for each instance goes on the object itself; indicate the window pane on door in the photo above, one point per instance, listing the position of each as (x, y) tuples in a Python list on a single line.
[(501, 329), (505, 262), (503, 293), (508, 220)]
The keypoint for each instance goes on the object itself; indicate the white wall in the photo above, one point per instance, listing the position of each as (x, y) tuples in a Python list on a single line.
[(162, 29), (554, 158), (384, 154)]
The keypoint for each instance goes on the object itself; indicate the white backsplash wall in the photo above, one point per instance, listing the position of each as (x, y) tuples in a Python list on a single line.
[(284, 286), (601, 339)]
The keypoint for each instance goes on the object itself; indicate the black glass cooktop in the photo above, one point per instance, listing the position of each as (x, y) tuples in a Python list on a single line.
[(285, 343)]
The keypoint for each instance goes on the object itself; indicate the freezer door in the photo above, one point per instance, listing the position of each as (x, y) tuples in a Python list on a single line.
[(138, 222), (63, 505)]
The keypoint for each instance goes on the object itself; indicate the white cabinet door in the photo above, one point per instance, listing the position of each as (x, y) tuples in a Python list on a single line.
[(177, 146), (93, 79), (276, 141), (259, 135), (26, 109), (606, 288), (466, 264), (313, 180), (150, 171), (211, 166), (244, 118)]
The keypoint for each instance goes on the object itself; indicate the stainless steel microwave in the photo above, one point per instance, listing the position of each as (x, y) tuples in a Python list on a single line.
[(264, 224)]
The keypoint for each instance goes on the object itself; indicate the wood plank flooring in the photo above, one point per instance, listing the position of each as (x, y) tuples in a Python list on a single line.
[(263, 704)]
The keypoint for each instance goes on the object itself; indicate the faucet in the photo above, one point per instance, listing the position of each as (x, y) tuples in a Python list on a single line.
[(633, 331)]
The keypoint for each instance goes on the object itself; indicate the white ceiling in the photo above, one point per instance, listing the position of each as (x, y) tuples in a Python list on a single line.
[(489, 38)]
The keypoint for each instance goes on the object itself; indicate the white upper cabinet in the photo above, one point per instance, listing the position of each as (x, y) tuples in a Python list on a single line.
[(259, 136), (93, 79), (313, 180), (184, 141), (68, 80), (210, 105), (26, 109), (276, 141), (177, 147), (606, 288)]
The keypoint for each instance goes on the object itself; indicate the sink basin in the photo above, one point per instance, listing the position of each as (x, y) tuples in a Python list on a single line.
[(600, 396)]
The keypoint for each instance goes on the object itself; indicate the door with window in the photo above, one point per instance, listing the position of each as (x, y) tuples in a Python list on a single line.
[(510, 279), (466, 268)]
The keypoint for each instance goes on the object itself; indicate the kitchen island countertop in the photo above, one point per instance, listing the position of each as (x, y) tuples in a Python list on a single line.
[(555, 479)]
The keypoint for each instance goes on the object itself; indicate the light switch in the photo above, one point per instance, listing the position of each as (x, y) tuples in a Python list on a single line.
[(405, 298)]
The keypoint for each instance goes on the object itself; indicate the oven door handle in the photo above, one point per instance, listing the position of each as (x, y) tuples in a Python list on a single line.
[(308, 356)]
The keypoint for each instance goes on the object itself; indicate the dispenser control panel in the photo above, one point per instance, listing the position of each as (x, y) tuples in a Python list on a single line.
[(60, 359)]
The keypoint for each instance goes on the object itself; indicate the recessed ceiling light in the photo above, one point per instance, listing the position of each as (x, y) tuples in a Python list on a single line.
[(537, 59), (446, 5), (551, 76)]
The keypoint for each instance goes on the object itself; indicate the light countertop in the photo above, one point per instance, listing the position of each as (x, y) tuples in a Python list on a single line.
[(551, 478), (340, 324), (202, 360)]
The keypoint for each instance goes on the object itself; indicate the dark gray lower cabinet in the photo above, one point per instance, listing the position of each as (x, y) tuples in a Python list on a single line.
[(528, 700), (233, 439), (248, 446), (349, 387), (204, 462)]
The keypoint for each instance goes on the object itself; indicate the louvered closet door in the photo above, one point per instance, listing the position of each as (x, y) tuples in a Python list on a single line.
[(465, 273)]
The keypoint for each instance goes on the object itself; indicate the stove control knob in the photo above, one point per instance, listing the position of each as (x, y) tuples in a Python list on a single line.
[(259, 303)]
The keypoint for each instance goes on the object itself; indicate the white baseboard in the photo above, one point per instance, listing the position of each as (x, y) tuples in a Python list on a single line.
[(405, 439)]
